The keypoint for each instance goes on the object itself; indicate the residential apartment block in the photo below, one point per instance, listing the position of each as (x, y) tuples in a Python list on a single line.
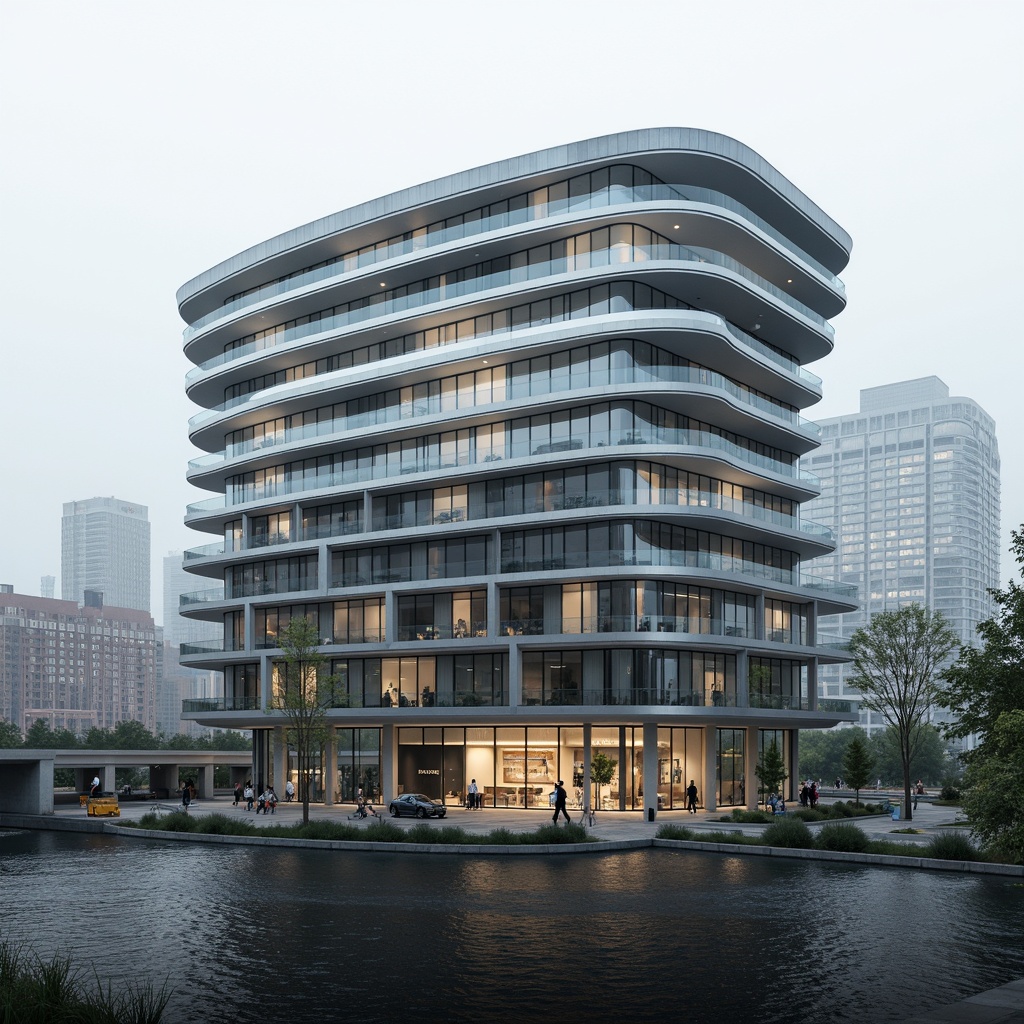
[(523, 443), (75, 666)]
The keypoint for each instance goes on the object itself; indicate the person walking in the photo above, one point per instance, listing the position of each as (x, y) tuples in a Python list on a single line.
[(560, 797), (471, 795), (691, 797), (238, 795), (289, 791), (186, 797), (248, 794)]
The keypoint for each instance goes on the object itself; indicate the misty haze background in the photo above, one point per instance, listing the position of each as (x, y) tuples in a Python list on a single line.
[(144, 144)]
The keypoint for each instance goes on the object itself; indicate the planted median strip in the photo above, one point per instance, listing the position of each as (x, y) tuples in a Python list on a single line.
[(377, 832)]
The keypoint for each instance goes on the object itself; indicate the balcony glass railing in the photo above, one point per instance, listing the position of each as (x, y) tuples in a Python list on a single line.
[(689, 501), (617, 258), (689, 625), (221, 704), (836, 706), (636, 697), (201, 597), (778, 701), (323, 430), (746, 340), (432, 631), (616, 196), (416, 460)]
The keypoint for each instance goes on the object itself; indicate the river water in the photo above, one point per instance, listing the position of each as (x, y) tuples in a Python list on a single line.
[(258, 934)]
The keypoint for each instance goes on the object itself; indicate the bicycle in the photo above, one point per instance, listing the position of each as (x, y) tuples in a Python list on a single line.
[(588, 819), (365, 812)]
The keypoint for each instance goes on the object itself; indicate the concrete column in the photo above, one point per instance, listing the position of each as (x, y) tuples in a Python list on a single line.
[(812, 685), (710, 768), (650, 769), (206, 782), (515, 675), (82, 780), (742, 680), (27, 788), (749, 763), (107, 780), (588, 739), (330, 766), (388, 764), (280, 759), (266, 682), (794, 762)]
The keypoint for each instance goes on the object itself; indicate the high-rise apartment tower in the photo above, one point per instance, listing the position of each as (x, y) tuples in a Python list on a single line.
[(105, 548), (522, 443), (910, 484)]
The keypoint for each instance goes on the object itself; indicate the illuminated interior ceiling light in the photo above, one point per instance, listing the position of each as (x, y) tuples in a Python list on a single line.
[(789, 280), (676, 226), (383, 284)]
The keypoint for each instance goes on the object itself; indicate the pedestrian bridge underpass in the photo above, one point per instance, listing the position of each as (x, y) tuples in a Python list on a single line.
[(26, 776)]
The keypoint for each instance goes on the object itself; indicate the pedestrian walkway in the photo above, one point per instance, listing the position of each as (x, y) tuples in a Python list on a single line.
[(610, 825)]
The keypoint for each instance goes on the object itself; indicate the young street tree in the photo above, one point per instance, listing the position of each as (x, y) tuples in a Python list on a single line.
[(896, 660), (303, 694), (771, 769), (857, 765), (602, 771)]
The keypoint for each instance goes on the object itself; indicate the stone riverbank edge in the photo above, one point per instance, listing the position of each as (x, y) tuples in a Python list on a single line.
[(57, 824)]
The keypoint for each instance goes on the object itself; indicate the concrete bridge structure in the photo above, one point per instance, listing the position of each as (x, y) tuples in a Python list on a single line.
[(26, 776)]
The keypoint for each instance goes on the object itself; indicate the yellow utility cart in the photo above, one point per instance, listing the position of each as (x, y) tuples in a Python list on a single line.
[(103, 806)]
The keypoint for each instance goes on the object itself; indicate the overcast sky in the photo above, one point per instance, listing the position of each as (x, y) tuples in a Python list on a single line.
[(144, 143)]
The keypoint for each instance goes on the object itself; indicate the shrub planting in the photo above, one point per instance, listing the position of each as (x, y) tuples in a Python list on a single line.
[(842, 837), (790, 833), (951, 846)]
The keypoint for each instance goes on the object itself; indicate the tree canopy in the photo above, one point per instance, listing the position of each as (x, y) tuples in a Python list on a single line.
[(985, 690), (10, 735), (994, 788), (987, 681), (896, 662)]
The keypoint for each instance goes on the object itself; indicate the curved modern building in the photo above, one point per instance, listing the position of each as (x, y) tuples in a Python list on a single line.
[(523, 442)]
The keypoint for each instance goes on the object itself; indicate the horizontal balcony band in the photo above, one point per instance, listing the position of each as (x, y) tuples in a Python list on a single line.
[(622, 197), (632, 321), (641, 254), (324, 430)]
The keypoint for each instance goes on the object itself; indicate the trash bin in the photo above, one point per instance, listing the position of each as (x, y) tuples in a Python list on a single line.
[(896, 805), (650, 814)]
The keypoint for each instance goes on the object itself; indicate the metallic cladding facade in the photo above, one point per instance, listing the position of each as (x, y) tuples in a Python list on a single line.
[(524, 443)]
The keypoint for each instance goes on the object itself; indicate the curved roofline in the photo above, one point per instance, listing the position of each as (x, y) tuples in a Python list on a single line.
[(602, 147)]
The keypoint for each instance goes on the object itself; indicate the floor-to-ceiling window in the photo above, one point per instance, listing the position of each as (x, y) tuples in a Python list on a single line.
[(730, 768)]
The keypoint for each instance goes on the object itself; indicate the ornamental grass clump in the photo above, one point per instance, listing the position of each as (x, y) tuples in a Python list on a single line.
[(680, 832), (222, 825), (503, 837), (951, 846), (558, 835), (36, 991), (791, 833), (382, 832), (842, 837)]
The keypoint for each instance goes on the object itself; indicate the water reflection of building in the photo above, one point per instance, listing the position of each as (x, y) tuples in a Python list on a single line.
[(523, 442)]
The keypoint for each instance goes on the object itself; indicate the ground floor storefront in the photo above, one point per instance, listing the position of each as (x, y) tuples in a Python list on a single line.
[(607, 767)]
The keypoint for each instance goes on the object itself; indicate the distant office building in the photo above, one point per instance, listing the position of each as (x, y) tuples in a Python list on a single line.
[(75, 666), (177, 684), (910, 484), (46, 586), (105, 548)]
